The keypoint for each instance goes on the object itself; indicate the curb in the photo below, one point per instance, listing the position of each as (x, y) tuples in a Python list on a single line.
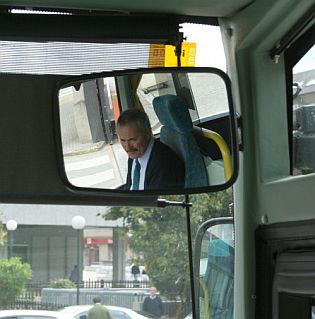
[(86, 150)]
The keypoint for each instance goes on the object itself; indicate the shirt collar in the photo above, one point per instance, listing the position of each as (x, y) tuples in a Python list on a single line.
[(145, 157)]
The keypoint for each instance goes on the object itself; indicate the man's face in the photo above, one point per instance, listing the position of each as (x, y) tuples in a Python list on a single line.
[(152, 291), (133, 140)]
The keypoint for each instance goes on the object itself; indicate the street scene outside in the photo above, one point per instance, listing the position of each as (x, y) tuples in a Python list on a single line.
[(303, 114), (155, 240)]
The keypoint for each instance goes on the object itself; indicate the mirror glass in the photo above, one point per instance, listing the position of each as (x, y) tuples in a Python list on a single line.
[(216, 271), (185, 145)]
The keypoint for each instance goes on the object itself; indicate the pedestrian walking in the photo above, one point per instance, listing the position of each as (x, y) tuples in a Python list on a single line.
[(135, 271), (153, 304), (98, 311)]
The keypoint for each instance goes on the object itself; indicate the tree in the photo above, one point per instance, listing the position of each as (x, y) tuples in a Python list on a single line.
[(13, 276), (3, 236), (160, 235), (3, 233)]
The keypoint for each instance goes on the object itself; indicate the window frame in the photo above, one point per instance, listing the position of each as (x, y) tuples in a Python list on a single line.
[(292, 56)]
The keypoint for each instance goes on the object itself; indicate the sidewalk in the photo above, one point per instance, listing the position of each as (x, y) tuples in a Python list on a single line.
[(76, 148)]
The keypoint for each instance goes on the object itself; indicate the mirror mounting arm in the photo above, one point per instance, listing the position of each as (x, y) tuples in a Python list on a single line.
[(164, 203)]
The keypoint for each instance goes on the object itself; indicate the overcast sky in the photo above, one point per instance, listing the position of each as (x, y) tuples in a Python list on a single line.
[(307, 62), (210, 51)]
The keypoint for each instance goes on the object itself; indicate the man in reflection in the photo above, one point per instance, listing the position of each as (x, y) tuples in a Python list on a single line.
[(151, 164)]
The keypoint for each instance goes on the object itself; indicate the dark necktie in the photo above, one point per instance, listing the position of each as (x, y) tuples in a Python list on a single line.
[(136, 176)]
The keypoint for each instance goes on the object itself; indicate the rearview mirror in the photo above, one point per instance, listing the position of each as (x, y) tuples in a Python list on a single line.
[(192, 122)]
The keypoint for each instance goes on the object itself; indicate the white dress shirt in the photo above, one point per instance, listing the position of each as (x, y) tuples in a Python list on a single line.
[(143, 160)]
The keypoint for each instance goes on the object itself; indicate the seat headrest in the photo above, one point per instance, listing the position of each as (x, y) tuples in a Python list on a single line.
[(173, 113), (219, 248)]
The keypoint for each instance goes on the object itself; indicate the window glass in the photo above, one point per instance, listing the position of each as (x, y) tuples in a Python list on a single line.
[(303, 90), (151, 86), (201, 91), (74, 58), (111, 241), (61, 260), (205, 95), (119, 314)]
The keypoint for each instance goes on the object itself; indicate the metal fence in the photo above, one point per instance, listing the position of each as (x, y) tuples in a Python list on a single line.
[(34, 305), (33, 290), (129, 294), (115, 284), (125, 297)]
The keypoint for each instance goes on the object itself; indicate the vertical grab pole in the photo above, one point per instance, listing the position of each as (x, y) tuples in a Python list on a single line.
[(79, 266), (190, 257)]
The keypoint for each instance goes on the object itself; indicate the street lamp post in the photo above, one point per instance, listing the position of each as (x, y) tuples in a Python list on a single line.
[(11, 226), (78, 223)]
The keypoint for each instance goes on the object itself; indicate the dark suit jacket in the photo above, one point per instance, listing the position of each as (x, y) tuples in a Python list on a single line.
[(153, 306), (164, 170)]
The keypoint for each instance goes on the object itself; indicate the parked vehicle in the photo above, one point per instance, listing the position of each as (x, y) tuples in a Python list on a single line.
[(80, 312), (34, 314)]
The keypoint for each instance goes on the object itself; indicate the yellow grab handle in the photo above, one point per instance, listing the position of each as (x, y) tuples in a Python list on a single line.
[(205, 299), (224, 149)]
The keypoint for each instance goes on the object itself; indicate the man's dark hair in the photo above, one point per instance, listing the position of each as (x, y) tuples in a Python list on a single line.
[(96, 299), (136, 116)]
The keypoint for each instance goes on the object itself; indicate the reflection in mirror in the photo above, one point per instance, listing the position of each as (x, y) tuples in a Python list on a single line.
[(187, 142), (216, 282)]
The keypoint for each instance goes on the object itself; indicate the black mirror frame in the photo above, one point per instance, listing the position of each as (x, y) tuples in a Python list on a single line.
[(199, 236), (67, 81)]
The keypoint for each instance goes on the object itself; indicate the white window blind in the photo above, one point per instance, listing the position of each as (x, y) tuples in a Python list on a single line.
[(67, 58)]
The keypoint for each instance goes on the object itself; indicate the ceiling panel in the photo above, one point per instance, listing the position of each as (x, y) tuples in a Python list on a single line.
[(210, 8)]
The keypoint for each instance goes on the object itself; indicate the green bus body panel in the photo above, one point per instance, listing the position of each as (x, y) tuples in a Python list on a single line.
[(264, 191)]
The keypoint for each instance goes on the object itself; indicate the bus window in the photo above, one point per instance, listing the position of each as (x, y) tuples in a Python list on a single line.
[(111, 241), (304, 114), (151, 86)]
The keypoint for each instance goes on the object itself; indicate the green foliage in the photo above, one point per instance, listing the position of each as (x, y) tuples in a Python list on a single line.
[(3, 236), (160, 235), (61, 283), (3, 233), (13, 276)]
